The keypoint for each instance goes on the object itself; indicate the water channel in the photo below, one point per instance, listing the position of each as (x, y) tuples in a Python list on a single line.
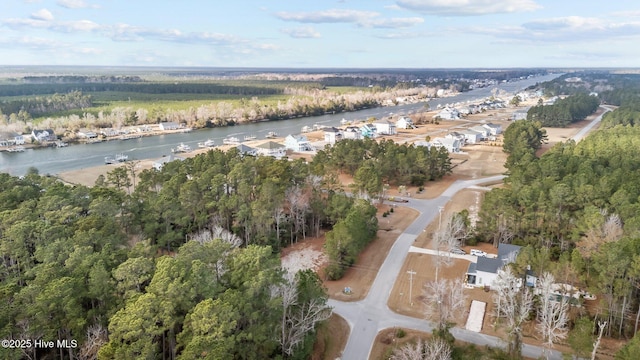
[(79, 156)]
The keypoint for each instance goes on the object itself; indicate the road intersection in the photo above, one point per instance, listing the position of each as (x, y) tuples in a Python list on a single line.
[(369, 316)]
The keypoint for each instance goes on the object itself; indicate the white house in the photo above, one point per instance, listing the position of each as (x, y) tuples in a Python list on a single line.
[(405, 122), (43, 135), (448, 114), (471, 137), (485, 271), (158, 164), (451, 144), (11, 138), (494, 129), (332, 135), (351, 132), (271, 148), (169, 125), (297, 143), (87, 134), (455, 135), (484, 132), (385, 127)]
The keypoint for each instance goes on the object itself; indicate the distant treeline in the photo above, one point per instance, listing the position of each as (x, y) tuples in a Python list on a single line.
[(564, 111), (79, 79), (237, 88), (40, 105)]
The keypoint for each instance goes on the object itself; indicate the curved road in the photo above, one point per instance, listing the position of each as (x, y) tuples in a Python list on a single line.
[(371, 315)]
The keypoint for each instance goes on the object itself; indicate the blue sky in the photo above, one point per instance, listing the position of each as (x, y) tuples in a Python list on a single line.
[(321, 33)]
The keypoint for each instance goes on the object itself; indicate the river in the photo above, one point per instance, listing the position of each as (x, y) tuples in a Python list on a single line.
[(79, 156)]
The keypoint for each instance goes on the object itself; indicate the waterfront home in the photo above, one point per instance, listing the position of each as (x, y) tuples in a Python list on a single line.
[(8, 138), (297, 143), (452, 145), (169, 125), (422, 143), (43, 135), (271, 148), (456, 135), (405, 122), (369, 131), (494, 129), (246, 150), (332, 135), (351, 132), (86, 134), (385, 127), (159, 164)]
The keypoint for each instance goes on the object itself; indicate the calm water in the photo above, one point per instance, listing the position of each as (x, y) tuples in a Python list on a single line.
[(54, 161)]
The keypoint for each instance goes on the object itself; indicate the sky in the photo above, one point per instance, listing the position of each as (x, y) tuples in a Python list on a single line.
[(322, 33)]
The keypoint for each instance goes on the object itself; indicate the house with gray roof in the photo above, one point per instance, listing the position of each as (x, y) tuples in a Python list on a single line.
[(485, 271)]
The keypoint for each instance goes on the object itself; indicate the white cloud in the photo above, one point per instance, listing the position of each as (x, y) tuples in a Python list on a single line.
[(468, 7), (566, 29), (306, 32), (42, 14), (328, 16), (75, 4), (360, 18), (393, 23)]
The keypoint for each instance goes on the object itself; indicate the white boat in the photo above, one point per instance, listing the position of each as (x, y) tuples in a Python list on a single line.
[(271, 135), (344, 121), (206, 144), (60, 144), (306, 129), (181, 148), (18, 148), (231, 140), (116, 159), (317, 126), (249, 137)]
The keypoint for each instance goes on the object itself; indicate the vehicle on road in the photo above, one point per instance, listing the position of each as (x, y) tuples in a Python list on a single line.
[(457, 251)]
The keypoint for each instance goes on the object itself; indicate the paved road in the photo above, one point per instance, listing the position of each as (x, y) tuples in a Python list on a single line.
[(371, 315)]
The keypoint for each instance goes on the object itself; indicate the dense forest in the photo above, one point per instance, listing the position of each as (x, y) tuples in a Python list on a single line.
[(576, 209), (564, 111), (180, 263)]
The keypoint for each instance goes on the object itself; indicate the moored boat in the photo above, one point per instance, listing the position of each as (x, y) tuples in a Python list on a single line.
[(306, 129), (181, 148), (271, 135), (206, 144), (231, 141)]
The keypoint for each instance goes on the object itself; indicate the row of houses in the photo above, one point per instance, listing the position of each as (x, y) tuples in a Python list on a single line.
[(8, 138), (455, 113), (454, 141)]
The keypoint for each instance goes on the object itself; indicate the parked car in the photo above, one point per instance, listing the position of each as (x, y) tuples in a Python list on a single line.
[(477, 252), (458, 251)]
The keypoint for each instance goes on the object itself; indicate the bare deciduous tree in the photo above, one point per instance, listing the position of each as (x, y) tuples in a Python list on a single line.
[(444, 301), (217, 232), (552, 313), (96, 337), (513, 305), (297, 318), (601, 327), (434, 349)]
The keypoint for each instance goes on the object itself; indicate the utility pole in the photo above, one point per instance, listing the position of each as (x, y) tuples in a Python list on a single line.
[(411, 273)]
